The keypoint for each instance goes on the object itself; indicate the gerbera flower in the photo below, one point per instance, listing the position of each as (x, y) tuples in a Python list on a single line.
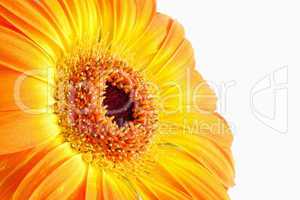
[(100, 99)]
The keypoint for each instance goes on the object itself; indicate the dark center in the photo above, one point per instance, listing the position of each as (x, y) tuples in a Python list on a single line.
[(119, 105)]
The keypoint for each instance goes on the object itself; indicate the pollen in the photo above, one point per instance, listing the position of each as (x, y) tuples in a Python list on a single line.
[(105, 108)]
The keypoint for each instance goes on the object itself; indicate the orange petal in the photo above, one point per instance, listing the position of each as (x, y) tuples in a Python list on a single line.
[(20, 131), (23, 92), (17, 165), (22, 55), (80, 192), (29, 19), (63, 181), (42, 169), (6, 24), (58, 16), (8, 162)]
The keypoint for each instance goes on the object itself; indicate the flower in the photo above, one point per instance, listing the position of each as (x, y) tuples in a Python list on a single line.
[(100, 99)]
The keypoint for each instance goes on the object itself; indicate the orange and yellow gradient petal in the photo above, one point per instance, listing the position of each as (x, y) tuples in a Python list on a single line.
[(192, 157)]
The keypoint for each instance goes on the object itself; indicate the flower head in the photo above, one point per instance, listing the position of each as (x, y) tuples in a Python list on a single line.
[(100, 99)]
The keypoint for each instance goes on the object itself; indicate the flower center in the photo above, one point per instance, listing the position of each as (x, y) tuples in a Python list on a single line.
[(118, 105), (105, 108)]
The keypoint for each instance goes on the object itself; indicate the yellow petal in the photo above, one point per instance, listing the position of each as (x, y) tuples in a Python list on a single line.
[(116, 187), (142, 50), (209, 154), (172, 44), (94, 184), (124, 18), (60, 18), (208, 125), (186, 94), (204, 137), (199, 95), (84, 17), (122, 22), (195, 178), (145, 12), (106, 185), (150, 188)]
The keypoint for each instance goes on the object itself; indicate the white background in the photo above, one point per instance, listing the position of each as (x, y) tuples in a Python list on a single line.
[(241, 45)]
